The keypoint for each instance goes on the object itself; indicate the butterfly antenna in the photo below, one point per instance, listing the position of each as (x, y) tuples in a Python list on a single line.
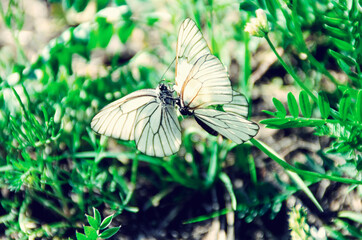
[(167, 69)]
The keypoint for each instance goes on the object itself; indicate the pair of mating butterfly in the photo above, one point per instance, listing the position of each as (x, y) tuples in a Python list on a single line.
[(203, 90)]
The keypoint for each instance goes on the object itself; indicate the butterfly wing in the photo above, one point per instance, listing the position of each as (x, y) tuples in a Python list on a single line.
[(118, 118), (231, 123), (239, 105), (207, 84), (191, 45), (143, 117), (157, 131)]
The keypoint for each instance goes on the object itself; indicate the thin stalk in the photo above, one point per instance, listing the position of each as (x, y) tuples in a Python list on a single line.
[(273, 155), (252, 170), (290, 71)]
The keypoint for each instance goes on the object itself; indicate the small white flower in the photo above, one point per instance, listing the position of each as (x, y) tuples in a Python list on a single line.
[(258, 26)]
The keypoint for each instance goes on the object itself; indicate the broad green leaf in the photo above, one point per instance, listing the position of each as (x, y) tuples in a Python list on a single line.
[(105, 223), (80, 236), (97, 216), (344, 105), (109, 232), (90, 232), (93, 222), (293, 105), (323, 104), (359, 106), (304, 103), (279, 106)]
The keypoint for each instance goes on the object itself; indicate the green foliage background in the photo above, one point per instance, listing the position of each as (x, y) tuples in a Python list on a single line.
[(49, 156)]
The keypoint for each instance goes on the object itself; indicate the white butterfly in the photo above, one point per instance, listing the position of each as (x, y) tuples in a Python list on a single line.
[(203, 90)]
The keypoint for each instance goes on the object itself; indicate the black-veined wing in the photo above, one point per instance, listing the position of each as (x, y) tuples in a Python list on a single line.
[(191, 45), (144, 111), (231, 123), (118, 118), (207, 84), (239, 105), (157, 131)]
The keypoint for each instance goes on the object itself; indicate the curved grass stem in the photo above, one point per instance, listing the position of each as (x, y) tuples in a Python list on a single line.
[(290, 71)]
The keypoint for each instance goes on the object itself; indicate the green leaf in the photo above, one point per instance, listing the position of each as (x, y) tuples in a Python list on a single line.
[(354, 216), (293, 105), (105, 32), (80, 5), (270, 113), (80, 236), (348, 60), (125, 31), (97, 216), (249, 6), (93, 222), (102, 4), (109, 232), (105, 223), (229, 187), (344, 105), (281, 109), (323, 104), (291, 122), (90, 232), (343, 45), (336, 32), (304, 103), (334, 21), (274, 121), (359, 106)]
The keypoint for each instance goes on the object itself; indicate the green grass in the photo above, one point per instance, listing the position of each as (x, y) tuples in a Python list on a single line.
[(50, 157)]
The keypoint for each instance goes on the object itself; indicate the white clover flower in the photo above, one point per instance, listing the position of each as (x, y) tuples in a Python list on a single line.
[(258, 26)]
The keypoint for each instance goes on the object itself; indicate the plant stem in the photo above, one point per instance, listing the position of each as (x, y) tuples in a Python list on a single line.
[(290, 71), (273, 155)]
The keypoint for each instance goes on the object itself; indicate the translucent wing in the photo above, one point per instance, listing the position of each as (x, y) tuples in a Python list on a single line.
[(238, 105), (230, 125), (207, 84), (157, 131), (118, 118), (191, 45)]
